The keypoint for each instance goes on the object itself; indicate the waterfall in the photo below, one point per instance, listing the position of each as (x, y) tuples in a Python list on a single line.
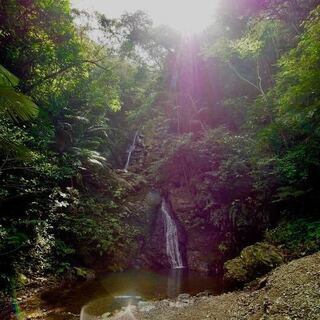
[(130, 150), (172, 240)]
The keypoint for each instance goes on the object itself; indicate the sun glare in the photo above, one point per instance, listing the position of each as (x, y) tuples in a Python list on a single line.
[(186, 17)]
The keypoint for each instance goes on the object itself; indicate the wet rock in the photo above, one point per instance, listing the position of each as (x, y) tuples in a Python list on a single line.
[(153, 199)]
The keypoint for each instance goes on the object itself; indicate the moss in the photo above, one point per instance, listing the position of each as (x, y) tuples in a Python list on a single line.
[(253, 261)]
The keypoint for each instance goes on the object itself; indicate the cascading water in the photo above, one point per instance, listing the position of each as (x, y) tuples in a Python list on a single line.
[(172, 240), (131, 149)]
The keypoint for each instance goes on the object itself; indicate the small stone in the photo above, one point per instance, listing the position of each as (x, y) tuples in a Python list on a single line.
[(144, 306), (105, 316), (205, 293), (183, 296), (180, 304)]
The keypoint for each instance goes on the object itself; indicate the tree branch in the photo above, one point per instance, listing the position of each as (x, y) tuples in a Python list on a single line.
[(242, 77), (62, 70), (260, 80)]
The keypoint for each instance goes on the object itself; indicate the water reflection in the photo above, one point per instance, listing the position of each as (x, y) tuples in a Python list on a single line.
[(174, 283)]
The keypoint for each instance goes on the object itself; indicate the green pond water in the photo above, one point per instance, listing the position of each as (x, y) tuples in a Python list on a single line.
[(114, 290)]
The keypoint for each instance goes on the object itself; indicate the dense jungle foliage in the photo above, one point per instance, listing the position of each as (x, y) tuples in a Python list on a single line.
[(231, 115)]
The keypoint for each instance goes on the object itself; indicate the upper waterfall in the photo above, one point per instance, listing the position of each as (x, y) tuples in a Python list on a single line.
[(130, 150), (172, 239)]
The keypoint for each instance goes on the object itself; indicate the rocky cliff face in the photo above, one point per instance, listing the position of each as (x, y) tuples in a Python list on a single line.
[(198, 240), (198, 243), (153, 252), (186, 171)]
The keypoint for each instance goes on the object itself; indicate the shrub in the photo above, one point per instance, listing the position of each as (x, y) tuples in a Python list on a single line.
[(298, 237)]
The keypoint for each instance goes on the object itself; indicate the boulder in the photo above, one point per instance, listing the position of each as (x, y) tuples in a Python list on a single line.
[(254, 261)]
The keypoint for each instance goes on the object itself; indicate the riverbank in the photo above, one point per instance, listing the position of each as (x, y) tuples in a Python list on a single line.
[(292, 291)]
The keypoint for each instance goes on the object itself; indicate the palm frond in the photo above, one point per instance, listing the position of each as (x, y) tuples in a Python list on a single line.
[(7, 78), (13, 149), (17, 105)]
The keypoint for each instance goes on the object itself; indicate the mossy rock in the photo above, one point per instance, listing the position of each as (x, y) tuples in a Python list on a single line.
[(22, 280), (84, 273), (254, 261)]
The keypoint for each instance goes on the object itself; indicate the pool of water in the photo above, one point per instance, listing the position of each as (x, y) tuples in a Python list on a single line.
[(114, 290)]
